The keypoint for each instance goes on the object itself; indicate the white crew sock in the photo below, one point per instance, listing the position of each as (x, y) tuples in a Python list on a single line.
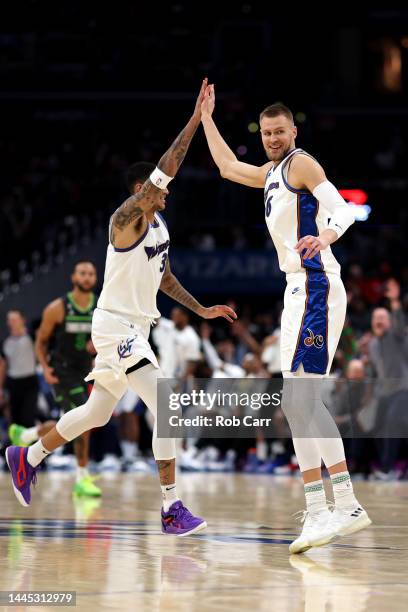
[(169, 493), (30, 435), (315, 496), (343, 490), (81, 472), (36, 453), (129, 450)]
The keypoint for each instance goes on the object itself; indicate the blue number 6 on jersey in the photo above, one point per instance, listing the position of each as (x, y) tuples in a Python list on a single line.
[(268, 206)]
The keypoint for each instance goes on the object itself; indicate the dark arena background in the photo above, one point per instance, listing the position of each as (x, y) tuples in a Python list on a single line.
[(88, 89)]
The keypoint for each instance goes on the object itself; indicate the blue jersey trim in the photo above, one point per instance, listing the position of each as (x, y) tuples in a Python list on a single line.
[(161, 219), (312, 344), (155, 221), (308, 207), (289, 187), (283, 158), (135, 244)]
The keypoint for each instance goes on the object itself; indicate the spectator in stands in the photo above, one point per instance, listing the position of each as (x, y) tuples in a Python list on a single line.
[(186, 345), (219, 359), (388, 352), (352, 395), (18, 371), (271, 353)]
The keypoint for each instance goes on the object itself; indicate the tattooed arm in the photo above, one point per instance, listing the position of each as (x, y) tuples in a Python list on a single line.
[(174, 289), (146, 199), (173, 158)]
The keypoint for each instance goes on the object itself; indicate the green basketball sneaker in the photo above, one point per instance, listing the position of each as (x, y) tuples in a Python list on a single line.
[(14, 433), (86, 487)]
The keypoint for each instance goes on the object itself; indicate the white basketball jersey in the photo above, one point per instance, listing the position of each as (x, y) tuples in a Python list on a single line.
[(133, 275), (291, 214)]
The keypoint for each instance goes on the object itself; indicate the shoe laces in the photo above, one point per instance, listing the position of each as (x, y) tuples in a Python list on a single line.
[(180, 512), (300, 515)]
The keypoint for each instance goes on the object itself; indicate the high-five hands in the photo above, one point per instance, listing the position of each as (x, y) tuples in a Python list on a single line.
[(200, 99), (208, 104)]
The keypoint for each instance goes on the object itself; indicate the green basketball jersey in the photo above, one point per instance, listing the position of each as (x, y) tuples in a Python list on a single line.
[(68, 353)]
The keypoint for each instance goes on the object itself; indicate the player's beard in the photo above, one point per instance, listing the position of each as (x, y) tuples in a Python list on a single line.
[(83, 289), (279, 156)]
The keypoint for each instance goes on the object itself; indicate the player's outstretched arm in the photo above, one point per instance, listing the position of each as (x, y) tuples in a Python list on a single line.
[(152, 190), (173, 158), (229, 166), (174, 289)]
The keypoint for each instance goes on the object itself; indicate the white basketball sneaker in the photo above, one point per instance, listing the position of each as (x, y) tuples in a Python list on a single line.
[(344, 522), (313, 526)]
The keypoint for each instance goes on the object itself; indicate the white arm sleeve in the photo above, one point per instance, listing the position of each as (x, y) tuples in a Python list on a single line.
[(341, 215)]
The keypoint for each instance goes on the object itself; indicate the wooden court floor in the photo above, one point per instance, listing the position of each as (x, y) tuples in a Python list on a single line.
[(115, 558)]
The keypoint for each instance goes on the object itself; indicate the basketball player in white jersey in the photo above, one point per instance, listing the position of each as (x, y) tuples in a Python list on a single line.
[(137, 265), (304, 213)]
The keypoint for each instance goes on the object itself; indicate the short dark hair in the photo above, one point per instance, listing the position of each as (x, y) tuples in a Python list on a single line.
[(82, 261), (19, 312), (182, 310), (138, 172), (274, 110)]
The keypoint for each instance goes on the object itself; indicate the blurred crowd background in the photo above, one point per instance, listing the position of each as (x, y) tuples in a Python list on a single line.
[(87, 91)]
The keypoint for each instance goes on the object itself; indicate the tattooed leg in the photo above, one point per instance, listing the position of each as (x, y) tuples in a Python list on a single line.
[(167, 471)]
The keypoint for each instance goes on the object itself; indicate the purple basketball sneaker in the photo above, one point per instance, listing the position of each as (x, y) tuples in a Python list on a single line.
[(179, 521), (23, 474)]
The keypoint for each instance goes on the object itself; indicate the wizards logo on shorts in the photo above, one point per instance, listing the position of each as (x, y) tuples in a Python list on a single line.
[(312, 340), (125, 348)]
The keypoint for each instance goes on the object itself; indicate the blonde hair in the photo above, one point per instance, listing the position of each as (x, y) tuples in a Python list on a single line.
[(274, 110)]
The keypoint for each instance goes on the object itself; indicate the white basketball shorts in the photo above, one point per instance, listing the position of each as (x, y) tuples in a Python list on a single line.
[(312, 320), (120, 344)]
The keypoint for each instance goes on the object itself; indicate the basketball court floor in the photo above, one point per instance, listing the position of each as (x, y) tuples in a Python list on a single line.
[(114, 556)]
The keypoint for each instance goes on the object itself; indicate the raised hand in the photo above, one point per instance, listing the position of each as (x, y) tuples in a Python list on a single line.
[(208, 104), (200, 99), (218, 311)]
